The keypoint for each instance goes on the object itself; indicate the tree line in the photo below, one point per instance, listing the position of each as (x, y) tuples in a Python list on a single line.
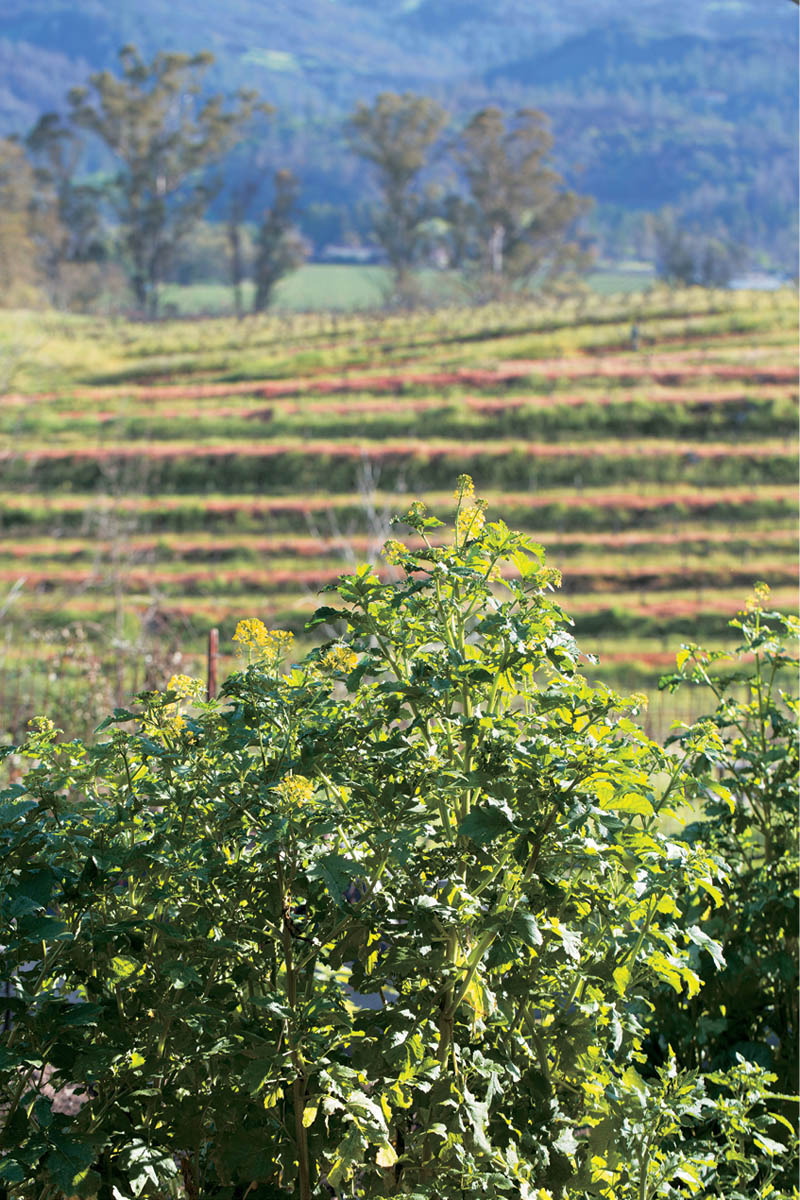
[(479, 197), (502, 217)]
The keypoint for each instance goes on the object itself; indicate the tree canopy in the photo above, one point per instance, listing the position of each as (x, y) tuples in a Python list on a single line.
[(519, 213), (163, 133), (396, 135)]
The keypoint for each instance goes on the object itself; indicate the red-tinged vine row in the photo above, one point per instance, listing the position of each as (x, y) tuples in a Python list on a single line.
[(212, 471)]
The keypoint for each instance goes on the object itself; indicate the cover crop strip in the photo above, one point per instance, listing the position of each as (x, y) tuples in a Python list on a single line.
[(424, 465), (664, 616), (213, 548), (597, 576), (665, 370), (701, 415), (560, 508)]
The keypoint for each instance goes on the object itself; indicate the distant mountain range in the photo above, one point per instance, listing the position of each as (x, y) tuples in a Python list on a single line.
[(691, 103)]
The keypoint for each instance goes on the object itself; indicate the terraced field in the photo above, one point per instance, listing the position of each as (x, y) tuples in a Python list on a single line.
[(161, 480)]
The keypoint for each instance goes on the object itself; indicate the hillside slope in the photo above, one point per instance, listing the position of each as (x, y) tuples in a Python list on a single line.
[(162, 479)]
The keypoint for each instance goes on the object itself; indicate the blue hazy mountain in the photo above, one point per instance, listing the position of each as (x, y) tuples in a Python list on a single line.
[(336, 50), (691, 103)]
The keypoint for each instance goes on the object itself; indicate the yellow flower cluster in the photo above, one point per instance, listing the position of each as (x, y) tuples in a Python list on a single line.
[(339, 658), (295, 789), (260, 644), (759, 599), (41, 725), (186, 687), (470, 521), (549, 575), (251, 633), (393, 551), (465, 488), (470, 513)]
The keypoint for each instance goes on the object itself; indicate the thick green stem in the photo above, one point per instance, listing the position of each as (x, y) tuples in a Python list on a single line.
[(299, 1083), (473, 962)]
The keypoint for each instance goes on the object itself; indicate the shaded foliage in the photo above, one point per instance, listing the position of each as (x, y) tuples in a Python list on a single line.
[(384, 923)]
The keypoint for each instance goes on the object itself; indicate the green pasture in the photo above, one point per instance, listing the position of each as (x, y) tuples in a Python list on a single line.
[(345, 286)]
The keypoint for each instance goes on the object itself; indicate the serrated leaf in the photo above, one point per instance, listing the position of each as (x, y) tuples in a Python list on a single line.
[(271, 1099), (570, 939), (666, 970), (386, 1156), (337, 873), (713, 891), (147, 1166), (632, 1079), (707, 943), (622, 978), (69, 1163), (687, 1174), (485, 824), (526, 929), (80, 1014), (566, 1142), (11, 1171), (349, 1151), (769, 1146), (628, 802)]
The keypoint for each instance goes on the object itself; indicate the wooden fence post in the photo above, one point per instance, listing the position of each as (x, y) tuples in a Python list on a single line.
[(213, 650)]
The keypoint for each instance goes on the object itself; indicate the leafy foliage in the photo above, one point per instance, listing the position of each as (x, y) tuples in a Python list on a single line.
[(384, 924), (162, 134), (519, 215), (396, 134), (744, 784), (279, 248)]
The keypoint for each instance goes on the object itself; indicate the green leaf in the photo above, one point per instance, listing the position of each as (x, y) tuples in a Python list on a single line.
[(702, 939), (669, 971), (622, 978), (337, 873), (768, 1145), (79, 1014), (629, 802), (688, 1175), (273, 1098), (524, 926), (324, 615), (147, 1166), (349, 1152), (41, 929), (69, 1163), (386, 1156), (485, 824), (566, 1142), (570, 938), (11, 1170), (119, 715)]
